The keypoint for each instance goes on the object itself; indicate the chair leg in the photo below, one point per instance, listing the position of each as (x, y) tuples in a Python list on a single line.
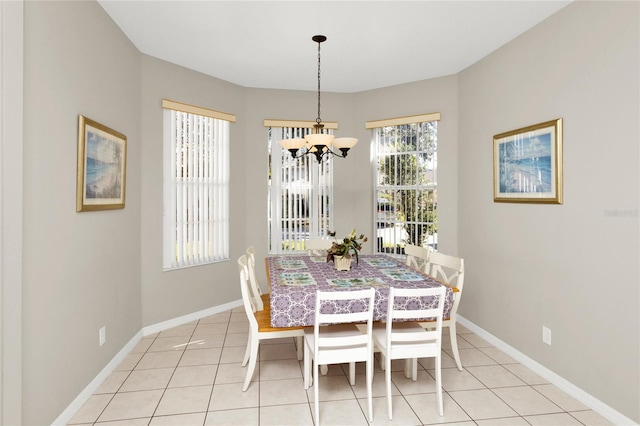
[(439, 384), (299, 344), (369, 367), (454, 343), (352, 373), (247, 352), (307, 367), (255, 344), (387, 379), (316, 398)]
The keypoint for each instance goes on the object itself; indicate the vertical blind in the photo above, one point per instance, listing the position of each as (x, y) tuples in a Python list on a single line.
[(300, 194), (196, 189)]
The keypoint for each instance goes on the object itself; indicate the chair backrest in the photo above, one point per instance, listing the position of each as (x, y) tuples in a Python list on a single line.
[(317, 246), (417, 257), (256, 290), (398, 310), (449, 269), (245, 288), (338, 314)]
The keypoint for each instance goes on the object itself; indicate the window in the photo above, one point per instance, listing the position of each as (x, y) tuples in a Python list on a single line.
[(196, 185), (300, 190), (406, 191)]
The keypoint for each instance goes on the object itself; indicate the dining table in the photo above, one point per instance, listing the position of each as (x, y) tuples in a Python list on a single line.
[(294, 280)]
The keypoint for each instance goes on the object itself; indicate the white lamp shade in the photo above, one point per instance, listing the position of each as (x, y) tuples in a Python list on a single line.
[(319, 139), (292, 143), (345, 142)]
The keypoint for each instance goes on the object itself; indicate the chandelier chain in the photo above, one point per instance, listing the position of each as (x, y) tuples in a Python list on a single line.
[(318, 120)]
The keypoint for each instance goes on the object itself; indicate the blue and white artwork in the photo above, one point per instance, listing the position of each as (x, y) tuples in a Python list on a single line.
[(525, 165), (103, 167)]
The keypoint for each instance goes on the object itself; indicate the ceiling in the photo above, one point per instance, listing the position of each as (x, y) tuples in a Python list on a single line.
[(370, 44)]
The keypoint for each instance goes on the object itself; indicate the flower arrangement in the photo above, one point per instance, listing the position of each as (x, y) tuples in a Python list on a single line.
[(349, 246)]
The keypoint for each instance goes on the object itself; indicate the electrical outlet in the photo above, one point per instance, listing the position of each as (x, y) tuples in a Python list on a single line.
[(546, 335), (102, 335)]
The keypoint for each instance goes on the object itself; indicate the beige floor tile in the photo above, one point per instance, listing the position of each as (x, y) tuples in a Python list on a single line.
[(91, 409), (129, 362), (130, 405), (332, 388), (342, 413), (453, 380), (139, 380), (142, 345), (191, 399), (242, 416), (230, 396), (472, 357), (560, 398), (206, 341), (234, 373), (238, 327), (378, 388), (200, 357), (179, 420), (196, 375), (165, 359), (140, 421), (216, 318), (495, 376), (402, 412), (181, 330), (291, 414), (526, 375), (113, 382), (482, 404), (506, 421), (161, 344), (462, 341), (282, 392), (526, 400), (426, 408), (559, 419), (475, 340), (590, 418), (280, 369), (232, 354), (236, 339), (281, 351), (498, 356), (210, 328), (424, 383)]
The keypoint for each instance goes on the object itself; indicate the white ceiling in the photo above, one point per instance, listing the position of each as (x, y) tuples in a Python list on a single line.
[(370, 44)]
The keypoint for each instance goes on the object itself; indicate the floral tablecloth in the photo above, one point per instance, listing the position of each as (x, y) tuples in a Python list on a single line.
[(294, 281)]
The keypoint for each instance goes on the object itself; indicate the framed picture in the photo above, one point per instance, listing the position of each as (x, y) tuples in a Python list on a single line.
[(102, 159), (527, 164)]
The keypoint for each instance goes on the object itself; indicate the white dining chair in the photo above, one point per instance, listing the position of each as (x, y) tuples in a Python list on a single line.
[(416, 257), (335, 339), (259, 324), (400, 337), (449, 269), (317, 246), (261, 298)]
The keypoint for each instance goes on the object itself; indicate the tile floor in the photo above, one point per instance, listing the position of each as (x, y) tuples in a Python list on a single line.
[(192, 375)]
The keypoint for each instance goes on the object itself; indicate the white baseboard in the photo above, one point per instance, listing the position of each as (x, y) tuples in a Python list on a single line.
[(587, 399), (86, 393)]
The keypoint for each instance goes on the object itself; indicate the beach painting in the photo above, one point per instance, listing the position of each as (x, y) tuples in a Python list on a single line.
[(528, 164), (101, 167)]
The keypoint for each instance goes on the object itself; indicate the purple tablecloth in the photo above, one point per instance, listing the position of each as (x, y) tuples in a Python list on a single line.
[(295, 279)]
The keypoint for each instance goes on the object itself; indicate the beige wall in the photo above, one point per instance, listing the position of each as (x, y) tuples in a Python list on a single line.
[(569, 267), (85, 270), (81, 271)]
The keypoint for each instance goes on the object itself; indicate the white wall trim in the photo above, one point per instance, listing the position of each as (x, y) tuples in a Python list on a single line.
[(587, 399), (90, 389)]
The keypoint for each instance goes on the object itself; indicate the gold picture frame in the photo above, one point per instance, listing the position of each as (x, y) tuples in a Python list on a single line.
[(527, 164), (102, 160)]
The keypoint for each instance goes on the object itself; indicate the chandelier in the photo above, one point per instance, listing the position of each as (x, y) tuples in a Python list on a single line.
[(318, 143)]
